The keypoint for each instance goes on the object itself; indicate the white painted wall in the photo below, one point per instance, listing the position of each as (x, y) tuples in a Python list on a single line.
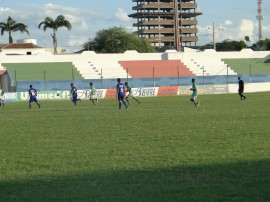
[(251, 87)]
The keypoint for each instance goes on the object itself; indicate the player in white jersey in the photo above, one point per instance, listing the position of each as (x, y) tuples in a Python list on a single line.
[(93, 93)]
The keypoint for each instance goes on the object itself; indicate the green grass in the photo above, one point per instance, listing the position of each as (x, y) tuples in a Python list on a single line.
[(242, 66), (35, 71), (164, 149)]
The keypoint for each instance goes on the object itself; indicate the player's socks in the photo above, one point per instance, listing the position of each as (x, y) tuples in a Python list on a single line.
[(120, 105), (30, 106), (125, 104)]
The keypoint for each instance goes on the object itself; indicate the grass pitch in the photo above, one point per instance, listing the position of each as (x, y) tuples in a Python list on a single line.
[(164, 149)]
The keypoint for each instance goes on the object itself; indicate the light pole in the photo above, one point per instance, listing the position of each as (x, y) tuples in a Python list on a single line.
[(88, 44), (101, 78), (203, 71), (249, 73), (214, 35)]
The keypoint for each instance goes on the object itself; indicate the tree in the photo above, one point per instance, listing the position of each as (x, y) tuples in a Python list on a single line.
[(247, 39), (117, 40), (60, 21), (227, 45), (12, 26), (262, 45)]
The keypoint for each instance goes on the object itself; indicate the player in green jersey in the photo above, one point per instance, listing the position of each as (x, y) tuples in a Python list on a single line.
[(130, 94), (93, 93), (194, 96)]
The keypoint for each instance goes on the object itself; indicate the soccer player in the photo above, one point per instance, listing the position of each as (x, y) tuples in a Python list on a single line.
[(241, 88), (33, 97), (93, 93), (73, 94), (130, 94), (194, 94), (2, 92), (120, 93)]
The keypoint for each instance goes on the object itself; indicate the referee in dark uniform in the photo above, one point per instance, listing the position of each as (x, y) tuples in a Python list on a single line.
[(241, 88)]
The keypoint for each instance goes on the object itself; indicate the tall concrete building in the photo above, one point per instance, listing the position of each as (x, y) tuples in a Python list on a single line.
[(167, 24)]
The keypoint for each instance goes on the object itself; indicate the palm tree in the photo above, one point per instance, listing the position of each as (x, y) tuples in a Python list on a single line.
[(247, 40), (60, 21), (12, 26)]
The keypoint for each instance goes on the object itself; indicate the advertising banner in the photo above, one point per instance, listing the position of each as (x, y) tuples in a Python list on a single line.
[(145, 92), (207, 89), (168, 90), (85, 94), (10, 97), (45, 95)]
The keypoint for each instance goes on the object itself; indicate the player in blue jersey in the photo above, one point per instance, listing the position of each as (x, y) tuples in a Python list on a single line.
[(120, 93), (33, 97), (73, 94)]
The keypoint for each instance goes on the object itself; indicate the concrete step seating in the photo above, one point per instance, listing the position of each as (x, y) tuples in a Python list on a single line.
[(156, 68), (204, 64)]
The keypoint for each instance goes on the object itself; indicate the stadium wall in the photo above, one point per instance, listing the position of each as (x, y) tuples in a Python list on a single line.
[(142, 92)]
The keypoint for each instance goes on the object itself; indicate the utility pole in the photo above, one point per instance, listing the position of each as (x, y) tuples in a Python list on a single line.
[(214, 37), (260, 18), (176, 26)]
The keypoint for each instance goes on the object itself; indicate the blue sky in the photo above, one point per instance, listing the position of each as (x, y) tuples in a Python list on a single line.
[(234, 19)]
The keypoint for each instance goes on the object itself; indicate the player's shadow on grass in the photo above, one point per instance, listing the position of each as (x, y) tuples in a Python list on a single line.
[(245, 181)]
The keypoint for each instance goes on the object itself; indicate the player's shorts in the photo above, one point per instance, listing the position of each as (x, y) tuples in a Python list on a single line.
[(74, 97), (33, 99), (93, 97), (130, 95), (193, 97), (121, 96), (240, 91), (1, 97)]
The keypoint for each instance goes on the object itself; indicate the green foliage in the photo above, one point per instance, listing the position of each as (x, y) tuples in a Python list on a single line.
[(228, 45), (117, 40), (60, 21), (12, 26), (164, 149), (262, 45)]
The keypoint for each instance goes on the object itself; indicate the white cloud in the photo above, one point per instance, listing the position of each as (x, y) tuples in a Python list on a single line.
[(122, 15), (246, 28), (2, 9), (228, 22)]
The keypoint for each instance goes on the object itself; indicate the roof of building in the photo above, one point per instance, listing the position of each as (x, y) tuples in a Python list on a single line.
[(2, 72), (19, 46)]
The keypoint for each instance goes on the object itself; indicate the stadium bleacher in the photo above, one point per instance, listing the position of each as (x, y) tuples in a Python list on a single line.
[(249, 65), (170, 68), (155, 68), (42, 71)]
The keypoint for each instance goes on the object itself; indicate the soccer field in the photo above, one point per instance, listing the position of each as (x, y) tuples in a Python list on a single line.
[(164, 149)]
